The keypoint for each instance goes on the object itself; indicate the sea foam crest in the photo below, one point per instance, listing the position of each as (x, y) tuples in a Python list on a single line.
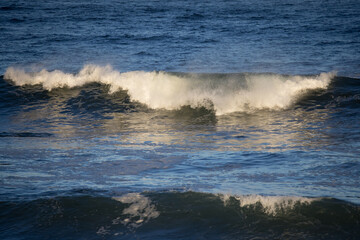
[(271, 205), (161, 90)]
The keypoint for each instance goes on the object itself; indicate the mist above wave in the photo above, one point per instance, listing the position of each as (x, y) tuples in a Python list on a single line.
[(162, 90)]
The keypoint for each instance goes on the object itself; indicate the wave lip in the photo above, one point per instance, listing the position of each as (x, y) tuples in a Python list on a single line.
[(271, 205), (162, 90)]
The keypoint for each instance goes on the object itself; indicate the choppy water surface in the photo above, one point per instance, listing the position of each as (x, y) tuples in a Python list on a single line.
[(296, 37), (154, 120)]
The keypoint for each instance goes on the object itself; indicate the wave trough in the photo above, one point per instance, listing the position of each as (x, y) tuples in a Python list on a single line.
[(162, 90)]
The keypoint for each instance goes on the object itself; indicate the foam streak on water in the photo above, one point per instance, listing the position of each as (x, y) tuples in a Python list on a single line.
[(140, 210), (168, 91)]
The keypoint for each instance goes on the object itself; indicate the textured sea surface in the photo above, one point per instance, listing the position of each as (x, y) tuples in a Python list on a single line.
[(180, 119)]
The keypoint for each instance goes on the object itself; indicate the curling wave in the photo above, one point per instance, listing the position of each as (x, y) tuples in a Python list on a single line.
[(225, 93), (188, 215)]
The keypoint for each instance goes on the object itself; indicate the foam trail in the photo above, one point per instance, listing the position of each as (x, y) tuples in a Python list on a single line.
[(141, 210), (161, 90)]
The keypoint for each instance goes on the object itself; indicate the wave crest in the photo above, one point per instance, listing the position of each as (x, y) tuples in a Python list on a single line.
[(162, 90), (271, 205)]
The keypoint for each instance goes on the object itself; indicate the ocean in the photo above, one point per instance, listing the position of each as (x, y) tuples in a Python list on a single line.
[(179, 119)]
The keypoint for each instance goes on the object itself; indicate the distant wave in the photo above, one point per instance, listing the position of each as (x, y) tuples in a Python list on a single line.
[(225, 93), (24, 134)]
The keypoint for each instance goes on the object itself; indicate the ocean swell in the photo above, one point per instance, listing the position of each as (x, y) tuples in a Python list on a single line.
[(162, 90), (188, 215)]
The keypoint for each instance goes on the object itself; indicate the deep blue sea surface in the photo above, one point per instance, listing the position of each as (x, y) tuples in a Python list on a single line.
[(180, 119)]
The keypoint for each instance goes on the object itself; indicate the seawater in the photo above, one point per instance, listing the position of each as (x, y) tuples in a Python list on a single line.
[(179, 120)]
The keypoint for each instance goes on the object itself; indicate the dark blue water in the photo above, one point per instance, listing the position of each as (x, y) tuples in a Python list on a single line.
[(179, 119), (295, 37)]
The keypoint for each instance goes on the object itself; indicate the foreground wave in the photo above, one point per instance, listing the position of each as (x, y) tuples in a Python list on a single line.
[(186, 215), (225, 93)]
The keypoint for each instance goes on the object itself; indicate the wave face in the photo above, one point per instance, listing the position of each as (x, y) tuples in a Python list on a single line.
[(225, 93), (279, 144), (186, 215)]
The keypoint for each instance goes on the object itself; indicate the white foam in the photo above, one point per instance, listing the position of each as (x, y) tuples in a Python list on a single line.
[(271, 205), (140, 211), (160, 90)]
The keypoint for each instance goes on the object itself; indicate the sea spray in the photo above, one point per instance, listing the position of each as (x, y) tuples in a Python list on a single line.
[(162, 90)]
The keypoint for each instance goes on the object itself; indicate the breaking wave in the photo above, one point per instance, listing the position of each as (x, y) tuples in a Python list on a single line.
[(225, 93), (187, 215), (271, 205)]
